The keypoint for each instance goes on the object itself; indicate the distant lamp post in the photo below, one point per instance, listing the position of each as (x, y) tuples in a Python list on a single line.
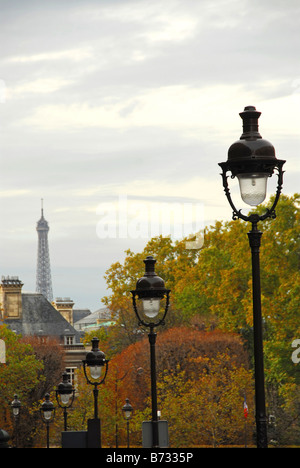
[(16, 407), (150, 289), (95, 368), (252, 160), (65, 394), (127, 411), (47, 411)]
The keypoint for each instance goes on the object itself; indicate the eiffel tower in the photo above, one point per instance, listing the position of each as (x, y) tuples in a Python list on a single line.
[(43, 274)]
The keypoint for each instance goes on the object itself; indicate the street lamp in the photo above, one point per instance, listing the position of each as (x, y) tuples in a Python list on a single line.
[(252, 160), (65, 394), (16, 406), (150, 289), (93, 366), (47, 411), (127, 410)]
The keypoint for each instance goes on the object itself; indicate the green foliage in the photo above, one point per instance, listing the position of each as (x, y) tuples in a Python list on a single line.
[(208, 408), (21, 372)]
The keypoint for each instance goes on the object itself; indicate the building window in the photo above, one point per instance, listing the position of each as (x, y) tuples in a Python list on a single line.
[(71, 374), (69, 340)]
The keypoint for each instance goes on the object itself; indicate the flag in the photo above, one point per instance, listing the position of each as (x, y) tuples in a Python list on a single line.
[(245, 408)]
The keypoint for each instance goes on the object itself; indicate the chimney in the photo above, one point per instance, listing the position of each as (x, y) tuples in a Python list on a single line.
[(11, 297)]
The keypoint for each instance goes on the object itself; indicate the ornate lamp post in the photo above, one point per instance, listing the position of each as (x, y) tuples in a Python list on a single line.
[(47, 411), (150, 289), (93, 366), (127, 410), (65, 394), (16, 406), (252, 160)]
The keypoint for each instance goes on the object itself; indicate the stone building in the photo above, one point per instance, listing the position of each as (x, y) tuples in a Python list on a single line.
[(30, 314), (65, 306)]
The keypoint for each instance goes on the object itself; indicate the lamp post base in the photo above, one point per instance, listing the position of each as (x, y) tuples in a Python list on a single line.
[(163, 434), (94, 433)]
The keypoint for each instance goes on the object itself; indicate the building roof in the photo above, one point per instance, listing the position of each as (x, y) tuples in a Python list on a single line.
[(79, 314), (40, 318), (95, 319)]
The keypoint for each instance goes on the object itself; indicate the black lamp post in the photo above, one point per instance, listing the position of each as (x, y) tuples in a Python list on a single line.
[(93, 370), (16, 406), (127, 410), (65, 394), (252, 160), (150, 289), (93, 366), (47, 411)]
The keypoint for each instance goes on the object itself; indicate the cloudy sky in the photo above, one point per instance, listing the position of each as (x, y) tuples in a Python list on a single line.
[(115, 111)]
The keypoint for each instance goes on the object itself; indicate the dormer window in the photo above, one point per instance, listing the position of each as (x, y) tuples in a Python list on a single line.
[(69, 339)]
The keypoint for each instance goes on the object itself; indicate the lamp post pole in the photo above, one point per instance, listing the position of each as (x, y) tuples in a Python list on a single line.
[(47, 413), (127, 410), (252, 160), (152, 342), (16, 406), (94, 363), (93, 366), (150, 289), (65, 394), (261, 419)]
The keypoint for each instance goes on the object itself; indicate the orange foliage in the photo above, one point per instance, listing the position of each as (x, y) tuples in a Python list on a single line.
[(177, 350)]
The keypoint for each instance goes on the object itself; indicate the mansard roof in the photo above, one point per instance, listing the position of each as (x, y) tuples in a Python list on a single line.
[(40, 318)]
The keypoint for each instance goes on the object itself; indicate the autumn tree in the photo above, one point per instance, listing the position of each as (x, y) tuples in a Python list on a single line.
[(207, 408), (50, 353), (178, 353)]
